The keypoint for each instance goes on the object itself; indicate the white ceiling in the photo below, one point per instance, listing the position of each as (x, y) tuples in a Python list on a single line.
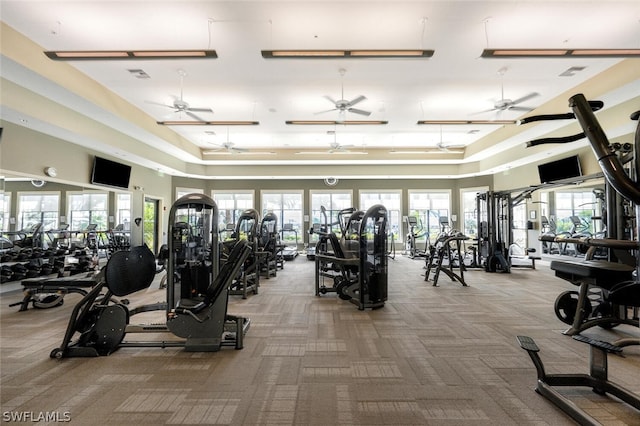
[(240, 85)]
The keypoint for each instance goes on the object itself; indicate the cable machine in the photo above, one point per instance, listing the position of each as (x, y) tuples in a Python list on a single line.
[(494, 230), (618, 281)]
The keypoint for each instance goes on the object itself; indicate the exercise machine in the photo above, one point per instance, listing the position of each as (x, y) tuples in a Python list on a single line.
[(324, 226), (289, 252), (494, 230), (620, 281), (415, 230), (195, 307), (337, 261), (248, 278), (597, 379), (269, 247), (447, 256), (365, 285)]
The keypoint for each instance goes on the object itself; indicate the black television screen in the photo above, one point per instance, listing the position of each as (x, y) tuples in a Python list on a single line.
[(111, 173), (561, 169)]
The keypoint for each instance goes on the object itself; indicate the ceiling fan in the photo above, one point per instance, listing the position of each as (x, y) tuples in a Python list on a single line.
[(505, 104), (442, 146), (335, 148), (180, 105), (227, 147), (342, 105)]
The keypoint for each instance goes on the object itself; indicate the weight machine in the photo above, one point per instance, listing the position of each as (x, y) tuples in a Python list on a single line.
[(618, 281), (494, 230), (366, 284), (345, 248), (248, 278), (269, 248), (196, 306)]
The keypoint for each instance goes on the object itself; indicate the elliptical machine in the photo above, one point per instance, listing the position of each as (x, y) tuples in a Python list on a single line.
[(196, 306)]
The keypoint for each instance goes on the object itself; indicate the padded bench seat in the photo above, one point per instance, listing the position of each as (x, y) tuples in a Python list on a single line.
[(597, 272), (70, 281)]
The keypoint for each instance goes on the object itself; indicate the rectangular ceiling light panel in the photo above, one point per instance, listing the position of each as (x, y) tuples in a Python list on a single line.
[(96, 55), (459, 122), (332, 122), (208, 123), (561, 53), (336, 54)]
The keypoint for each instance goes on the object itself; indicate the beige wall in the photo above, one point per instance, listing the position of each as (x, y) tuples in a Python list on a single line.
[(26, 153)]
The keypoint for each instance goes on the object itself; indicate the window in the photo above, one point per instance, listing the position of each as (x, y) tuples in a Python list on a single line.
[(519, 224), (469, 209), (40, 207), (123, 211), (287, 206), (579, 204), (392, 200), (5, 210), (87, 208), (230, 205), (333, 202), (180, 192), (428, 207)]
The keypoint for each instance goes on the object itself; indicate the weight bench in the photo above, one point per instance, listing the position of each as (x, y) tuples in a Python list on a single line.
[(597, 379), (49, 292), (607, 276), (520, 255)]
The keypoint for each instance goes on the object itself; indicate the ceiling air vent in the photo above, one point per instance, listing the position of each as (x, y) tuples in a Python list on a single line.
[(138, 73), (570, 72)]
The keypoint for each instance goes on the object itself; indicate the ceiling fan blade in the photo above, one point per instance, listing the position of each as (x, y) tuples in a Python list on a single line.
[(359, 111), (356, 101), (200, 110), (517, 108), (330, 99), (159, 104), (484, 111), (323, 112), (525, 98), (192, 115)]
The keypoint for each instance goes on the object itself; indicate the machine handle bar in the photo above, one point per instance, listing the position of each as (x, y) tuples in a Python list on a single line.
[(595, 106), (608, 160)]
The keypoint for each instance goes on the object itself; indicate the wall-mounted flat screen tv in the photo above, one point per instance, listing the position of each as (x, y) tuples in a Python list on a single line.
[(560, 169), (111, 173)]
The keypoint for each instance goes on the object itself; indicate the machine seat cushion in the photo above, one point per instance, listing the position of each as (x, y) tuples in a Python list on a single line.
[(597, 272), (88, 281)]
